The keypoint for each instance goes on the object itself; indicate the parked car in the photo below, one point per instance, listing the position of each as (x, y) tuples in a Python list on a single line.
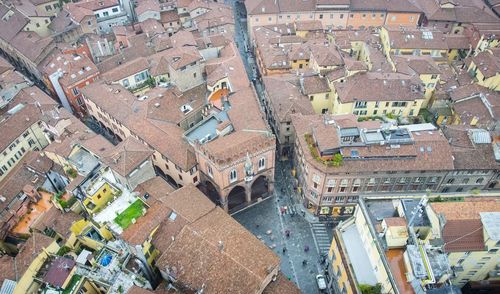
[(320, 279)]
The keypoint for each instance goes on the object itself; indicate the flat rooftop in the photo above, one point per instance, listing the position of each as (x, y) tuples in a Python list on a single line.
[(206, 130), (83, 161), (358, 256), (396, 263), (409, 206)]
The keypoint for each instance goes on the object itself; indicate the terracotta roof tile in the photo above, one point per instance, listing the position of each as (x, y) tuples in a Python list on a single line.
[(30, 250), (133, 114), (285, 96), (147, 5), (282, 285), (314, 85), (440, 158), (6, 266), (464, 210), (127, 69), (378, 87), (156, 188), (56, 220), (22, 174), (137, 233), (395, 221), (127, 156), (208, 252)]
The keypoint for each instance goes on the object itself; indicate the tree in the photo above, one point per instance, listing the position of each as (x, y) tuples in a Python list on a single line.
[(369, 289)]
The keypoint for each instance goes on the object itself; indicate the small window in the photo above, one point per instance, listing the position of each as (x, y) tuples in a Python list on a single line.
[(262, 163), (114, 10), (209, 171), (232, 176)]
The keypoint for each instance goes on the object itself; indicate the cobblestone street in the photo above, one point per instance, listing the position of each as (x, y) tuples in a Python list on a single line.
[(266, 221)]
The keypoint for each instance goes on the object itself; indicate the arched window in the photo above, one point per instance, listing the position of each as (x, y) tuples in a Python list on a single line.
[(262, 163), (479, 181), (232, 176)]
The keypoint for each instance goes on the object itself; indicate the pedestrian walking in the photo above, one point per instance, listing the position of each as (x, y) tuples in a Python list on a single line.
[(284, 250), (306, 248), (287, 233)]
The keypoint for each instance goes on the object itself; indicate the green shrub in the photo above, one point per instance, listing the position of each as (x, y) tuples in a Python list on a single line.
[(72, 173), (337, 159), (63, 250), (369, 289)]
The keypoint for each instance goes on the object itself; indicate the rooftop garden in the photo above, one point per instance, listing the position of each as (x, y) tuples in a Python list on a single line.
[(71, 172), (148, 83), (134, 211), (446, 199), (75, 279), (64, 199), (335, 161), (373, 117)]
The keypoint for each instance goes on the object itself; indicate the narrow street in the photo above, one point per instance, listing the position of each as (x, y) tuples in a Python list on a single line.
[(308, 240)]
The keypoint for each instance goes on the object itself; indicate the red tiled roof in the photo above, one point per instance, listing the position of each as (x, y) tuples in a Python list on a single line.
[(59, 270), (463, 235)]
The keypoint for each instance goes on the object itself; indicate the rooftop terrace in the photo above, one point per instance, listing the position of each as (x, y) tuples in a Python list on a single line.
[(208, 129)]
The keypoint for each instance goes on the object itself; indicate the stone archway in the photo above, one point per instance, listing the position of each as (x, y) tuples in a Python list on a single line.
[(211, 192), (166, 177), (260, 187), (236, 198)]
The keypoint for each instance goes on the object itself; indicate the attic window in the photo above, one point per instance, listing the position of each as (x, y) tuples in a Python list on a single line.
[(172, 216)]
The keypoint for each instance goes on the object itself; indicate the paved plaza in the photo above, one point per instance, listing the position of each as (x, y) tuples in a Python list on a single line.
[(266, 221)]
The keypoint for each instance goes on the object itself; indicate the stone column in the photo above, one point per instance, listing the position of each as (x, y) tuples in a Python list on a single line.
[(224, 204), (248, 192), (223, 200), (270, 182)]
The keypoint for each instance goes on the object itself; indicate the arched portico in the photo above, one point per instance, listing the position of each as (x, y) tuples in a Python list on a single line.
[(212, 193), (236, 198), (259, 188)]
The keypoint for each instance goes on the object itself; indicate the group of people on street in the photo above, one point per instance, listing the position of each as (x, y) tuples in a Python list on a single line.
[(306, 247)]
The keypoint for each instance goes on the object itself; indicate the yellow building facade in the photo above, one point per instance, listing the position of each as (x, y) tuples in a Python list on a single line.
[(89, 234), (489, 81), (98, 197), (27, 283), (378, 108)]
